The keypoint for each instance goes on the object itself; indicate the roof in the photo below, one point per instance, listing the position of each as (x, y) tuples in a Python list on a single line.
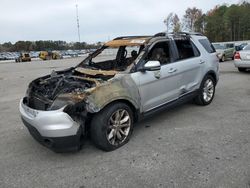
[(128, 41), (140, 40)]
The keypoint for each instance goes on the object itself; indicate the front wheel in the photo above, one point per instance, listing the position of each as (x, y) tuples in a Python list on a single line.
[(206, 91), (112, 127), (223, 58)]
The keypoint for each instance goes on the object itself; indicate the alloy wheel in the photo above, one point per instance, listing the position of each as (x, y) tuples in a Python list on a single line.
[(119, 125)]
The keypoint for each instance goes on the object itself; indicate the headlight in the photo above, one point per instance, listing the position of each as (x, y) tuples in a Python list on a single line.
[(66, 100), (60, 103)]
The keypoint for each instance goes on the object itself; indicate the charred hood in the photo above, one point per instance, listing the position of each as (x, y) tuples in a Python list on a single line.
[(44, 91)]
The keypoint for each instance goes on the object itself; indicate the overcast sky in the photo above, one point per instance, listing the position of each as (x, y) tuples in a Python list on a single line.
[(100, 20)]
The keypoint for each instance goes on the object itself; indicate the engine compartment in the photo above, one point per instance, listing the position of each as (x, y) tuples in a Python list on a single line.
[(43, 91)]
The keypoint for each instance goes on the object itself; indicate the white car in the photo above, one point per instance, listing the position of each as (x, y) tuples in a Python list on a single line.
[(242, 59)]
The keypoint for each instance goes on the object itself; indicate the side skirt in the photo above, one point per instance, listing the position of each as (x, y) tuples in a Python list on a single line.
[(183, 99)]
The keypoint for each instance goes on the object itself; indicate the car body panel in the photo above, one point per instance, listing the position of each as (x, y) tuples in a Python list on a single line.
[(244, 61)]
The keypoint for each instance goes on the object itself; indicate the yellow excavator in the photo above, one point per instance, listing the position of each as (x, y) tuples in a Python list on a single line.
[(45, 55)]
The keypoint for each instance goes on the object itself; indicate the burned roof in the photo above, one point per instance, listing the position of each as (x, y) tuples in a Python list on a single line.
[(128, 41)]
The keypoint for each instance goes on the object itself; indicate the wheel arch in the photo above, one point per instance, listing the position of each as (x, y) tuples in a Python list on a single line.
[(134, 109), (213, 74)]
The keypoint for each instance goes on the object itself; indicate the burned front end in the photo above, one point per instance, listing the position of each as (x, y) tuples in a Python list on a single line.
[(54, 109)]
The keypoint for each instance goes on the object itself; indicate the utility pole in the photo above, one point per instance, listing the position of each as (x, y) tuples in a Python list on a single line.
[(77, 21)]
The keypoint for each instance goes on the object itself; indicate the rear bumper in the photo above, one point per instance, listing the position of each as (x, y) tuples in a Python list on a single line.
[(53, 129), (242, 64)]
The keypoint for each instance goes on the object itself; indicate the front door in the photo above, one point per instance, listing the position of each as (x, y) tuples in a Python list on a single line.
[(158, 87)]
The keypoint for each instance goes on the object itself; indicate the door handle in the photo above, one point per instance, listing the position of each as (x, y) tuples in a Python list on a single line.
[(172, 70), (202, 61)]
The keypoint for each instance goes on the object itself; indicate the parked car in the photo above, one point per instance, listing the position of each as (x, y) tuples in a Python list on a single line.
[(224, 51), (242, 59), (23, 57), (240, 47), (105, 95)]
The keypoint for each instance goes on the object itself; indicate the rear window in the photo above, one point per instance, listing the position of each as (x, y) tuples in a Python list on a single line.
[(247, 47), (207, 45), (230, 45)]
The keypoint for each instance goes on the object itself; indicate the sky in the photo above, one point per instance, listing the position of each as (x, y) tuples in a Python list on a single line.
[(100, 20)]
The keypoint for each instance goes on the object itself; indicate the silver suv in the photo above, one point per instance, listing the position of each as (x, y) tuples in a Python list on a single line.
[(127, 79)]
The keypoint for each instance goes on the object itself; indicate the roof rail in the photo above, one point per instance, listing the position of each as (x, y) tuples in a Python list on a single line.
[(131, 37), (191, 33), (163, 34)]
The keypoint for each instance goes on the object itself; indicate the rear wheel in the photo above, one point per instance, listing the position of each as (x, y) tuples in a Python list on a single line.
[(242, 69), (206, 91), (112, 127), (223, 58)]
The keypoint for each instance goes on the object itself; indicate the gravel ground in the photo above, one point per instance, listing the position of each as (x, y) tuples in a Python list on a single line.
[(189, 146)]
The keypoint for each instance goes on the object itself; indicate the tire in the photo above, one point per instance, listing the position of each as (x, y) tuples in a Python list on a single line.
[(222, 58), (206, 91), (102, 122), (241, 69)]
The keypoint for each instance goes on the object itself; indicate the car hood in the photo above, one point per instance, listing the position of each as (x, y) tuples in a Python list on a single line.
[(70, 86)]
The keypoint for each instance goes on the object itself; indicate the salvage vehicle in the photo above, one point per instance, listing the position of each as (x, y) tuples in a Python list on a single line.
[(126, 80), (23, 57), (224, 51), (242, 59)]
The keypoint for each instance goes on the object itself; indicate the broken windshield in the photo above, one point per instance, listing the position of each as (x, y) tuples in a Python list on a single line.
[(112, 58)]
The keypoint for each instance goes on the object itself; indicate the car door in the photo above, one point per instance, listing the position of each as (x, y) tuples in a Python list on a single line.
[(157, 88), (190, 65), (229, 51)]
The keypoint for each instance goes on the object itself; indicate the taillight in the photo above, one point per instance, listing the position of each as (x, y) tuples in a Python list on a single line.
[(237, 55)]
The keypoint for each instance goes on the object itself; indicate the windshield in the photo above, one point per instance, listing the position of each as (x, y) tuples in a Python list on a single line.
[(219, 46), (246, 47), (113, 58)]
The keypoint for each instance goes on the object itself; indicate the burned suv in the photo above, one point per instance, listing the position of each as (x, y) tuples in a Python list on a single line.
[(124, 81)]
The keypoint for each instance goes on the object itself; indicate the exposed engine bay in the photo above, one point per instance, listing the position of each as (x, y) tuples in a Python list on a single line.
[(44, 91)]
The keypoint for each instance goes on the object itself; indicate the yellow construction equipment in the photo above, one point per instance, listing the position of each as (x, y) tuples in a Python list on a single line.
[(44, 55), (23, 57)]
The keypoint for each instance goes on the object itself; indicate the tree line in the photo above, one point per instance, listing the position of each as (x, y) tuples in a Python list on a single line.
[(222, 23), (45, 45)]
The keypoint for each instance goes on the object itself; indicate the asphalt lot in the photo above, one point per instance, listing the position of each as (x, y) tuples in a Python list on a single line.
[(189, 146)]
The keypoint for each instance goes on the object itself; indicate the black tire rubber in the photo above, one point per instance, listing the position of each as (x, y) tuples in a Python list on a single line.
[(199, 100), (241, 69), (99, 125), (222, 58)]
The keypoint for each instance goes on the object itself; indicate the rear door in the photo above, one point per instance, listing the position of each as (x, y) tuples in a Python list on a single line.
[(190, 65)]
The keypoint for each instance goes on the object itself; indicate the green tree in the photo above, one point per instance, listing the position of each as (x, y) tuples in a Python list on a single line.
[(190, 18), (215, 27)]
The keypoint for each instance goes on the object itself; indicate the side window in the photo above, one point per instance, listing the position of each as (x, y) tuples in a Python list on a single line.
[(207, 45), (160, 52), (186, 49), (230, 45)]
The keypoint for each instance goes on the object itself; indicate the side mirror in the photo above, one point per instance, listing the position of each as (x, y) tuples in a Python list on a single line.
[(152, 66)]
